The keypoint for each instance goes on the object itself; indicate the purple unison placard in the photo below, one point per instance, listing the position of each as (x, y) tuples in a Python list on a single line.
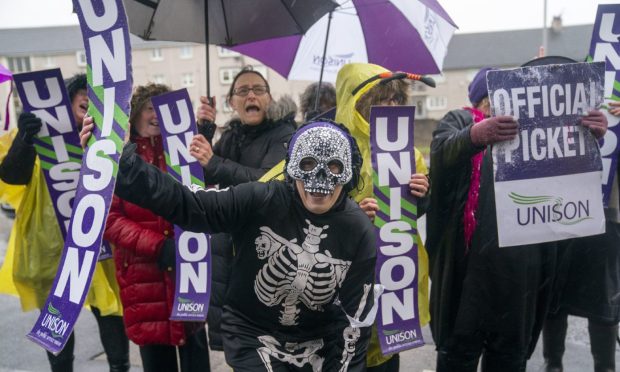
[(605, 47), (193, 258), (548, 178), (393, 163), (108, 54), (57, 144)]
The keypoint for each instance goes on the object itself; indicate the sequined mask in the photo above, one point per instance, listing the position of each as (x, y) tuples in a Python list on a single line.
[(320, 157)]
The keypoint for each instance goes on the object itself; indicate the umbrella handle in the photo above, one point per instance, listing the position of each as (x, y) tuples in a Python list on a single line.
[(207, 127)]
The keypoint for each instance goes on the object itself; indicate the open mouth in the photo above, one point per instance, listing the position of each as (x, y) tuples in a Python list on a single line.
[(252, 109), (154, 123), (84, 106)]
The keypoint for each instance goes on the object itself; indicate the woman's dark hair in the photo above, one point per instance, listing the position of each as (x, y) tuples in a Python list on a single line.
[(245, 70), (327, 97), (356, 156)]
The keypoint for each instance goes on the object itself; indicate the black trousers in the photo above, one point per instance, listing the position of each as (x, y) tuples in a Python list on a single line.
[(114, 341), (194, 355)]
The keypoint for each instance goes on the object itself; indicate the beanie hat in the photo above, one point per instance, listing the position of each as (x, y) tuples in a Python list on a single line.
[(75, 83), (478, 87)]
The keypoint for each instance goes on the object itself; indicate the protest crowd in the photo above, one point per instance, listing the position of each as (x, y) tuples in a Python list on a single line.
[(309, 219)]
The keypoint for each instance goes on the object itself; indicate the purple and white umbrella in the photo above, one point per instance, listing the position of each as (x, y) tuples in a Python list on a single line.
[(400, 35)]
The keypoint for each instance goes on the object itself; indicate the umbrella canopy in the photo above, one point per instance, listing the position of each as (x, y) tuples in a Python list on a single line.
[(400, 35), (229, 22)]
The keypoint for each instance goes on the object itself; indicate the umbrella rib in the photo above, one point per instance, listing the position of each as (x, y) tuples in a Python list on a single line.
[(228, 40), (299, 28), (149, 3)]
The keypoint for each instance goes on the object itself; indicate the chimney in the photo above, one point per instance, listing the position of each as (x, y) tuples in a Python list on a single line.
[(556, 24)]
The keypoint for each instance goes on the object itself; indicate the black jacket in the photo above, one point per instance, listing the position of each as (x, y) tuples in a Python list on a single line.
[(280, 246), (500, 295), (450, 172), (243, 154)]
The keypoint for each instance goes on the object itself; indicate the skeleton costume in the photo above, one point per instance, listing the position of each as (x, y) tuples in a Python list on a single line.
[(300, 296)]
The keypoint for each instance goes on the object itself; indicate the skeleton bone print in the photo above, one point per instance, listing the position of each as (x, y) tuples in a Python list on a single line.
[(297, 273), (297, 354)]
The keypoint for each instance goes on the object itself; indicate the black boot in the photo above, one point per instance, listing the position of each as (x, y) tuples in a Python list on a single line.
[(603, 345), (554, 333)]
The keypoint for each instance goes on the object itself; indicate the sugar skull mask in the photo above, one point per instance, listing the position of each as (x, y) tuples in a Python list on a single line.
[(320, 157)]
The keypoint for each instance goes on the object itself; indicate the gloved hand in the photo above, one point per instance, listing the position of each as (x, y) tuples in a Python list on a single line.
[(167, 255), (492, 130), (596, 121), (28, 125)]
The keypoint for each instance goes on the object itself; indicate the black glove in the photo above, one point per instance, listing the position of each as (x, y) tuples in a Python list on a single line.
[(207, 129), (492, 130), (28, 125), (167, 255)]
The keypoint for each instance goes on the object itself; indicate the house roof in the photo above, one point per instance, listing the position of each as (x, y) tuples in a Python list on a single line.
[(515, 47), (56, 40)]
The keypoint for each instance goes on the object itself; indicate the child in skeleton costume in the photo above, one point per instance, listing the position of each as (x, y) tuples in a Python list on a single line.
[(300, 296)]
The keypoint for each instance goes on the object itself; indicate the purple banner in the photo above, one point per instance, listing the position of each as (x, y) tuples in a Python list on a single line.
[(108, 54), (57, 144), (193, 258), (548, 102), (605, 47), (547, 180), (105, 253), (393, 162)]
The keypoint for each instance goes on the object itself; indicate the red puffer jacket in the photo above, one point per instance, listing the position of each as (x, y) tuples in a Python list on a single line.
[(146, 292)]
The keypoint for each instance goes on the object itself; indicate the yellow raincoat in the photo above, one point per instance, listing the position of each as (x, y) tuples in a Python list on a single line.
[(349, 77), (35, 247)]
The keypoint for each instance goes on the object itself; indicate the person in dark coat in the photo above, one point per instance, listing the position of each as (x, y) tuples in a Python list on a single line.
[(145, 257), (484, 300), (592, 287), (253, 143), (302, 288)]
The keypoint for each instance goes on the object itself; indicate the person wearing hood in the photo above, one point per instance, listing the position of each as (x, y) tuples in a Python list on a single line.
[(356, 93), (145, 259), (255, 141), (36, 242), (485, 301), (301, 290)]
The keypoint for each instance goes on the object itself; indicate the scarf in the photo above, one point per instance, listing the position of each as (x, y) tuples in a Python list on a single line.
[(471, 206)]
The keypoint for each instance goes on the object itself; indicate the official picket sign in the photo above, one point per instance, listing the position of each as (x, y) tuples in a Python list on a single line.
[(106, 39), (57, 144), (548, 179), (605, 47), (393, 162), (193, 256)]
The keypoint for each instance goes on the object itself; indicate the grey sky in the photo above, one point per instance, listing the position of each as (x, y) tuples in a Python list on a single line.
[(469, 15)]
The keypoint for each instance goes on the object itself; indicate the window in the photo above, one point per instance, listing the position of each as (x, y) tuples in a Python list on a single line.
[(420, 109), (225, 53), (156, 54), (187, 80), (81, 58), (228, 74), (186, 52), (19, 64), (49, 62), (159, 79), (225, 106), (438, 78), (437, 103)]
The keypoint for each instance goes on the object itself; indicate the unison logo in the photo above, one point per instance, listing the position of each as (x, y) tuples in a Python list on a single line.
[(399, 336), (53, 322), (543, 209), (337, 60), (188, 305)]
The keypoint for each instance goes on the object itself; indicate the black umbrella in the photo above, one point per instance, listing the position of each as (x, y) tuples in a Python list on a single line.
[(222, 22)]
